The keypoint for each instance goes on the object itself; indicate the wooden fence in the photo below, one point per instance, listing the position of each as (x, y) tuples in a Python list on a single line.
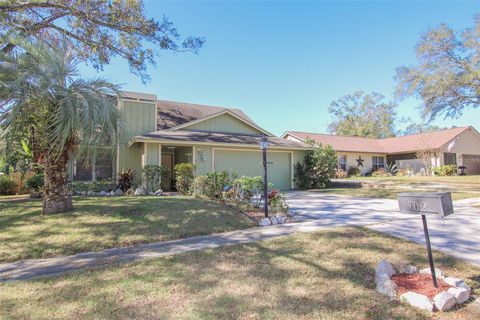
[(20, 181)]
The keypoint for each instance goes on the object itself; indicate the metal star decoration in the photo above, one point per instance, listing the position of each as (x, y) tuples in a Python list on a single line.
[(360, 161)]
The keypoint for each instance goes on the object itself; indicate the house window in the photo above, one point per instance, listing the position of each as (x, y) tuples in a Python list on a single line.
[(96, 167), (450, 158), (342, 163), (378, 162)]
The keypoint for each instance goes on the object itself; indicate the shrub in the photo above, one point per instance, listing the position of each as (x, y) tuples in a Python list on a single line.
[(80, 186), (244, 188), (184, 173), (125, 179), (212, 185), (353, 172), (407, 171), (35, 182), (102, 185), (381, 172), (445, 170), (392, 168), (154, 175), (7, 185), (277, 202), (340, 174), (318, 168)]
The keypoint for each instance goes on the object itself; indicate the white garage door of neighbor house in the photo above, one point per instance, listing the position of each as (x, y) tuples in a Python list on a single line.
[(249, 163), (472, 163)]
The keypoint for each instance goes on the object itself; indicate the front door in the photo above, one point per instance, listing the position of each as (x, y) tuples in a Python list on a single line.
[(167, 162)]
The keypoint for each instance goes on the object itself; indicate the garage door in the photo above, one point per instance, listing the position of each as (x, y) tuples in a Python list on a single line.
[(249, 163), (472, 163)]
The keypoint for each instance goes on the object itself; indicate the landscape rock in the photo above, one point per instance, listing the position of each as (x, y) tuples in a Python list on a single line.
[(159, 192), (461, 295), (439, 273), (444, 301), (90, 193), (265, 222), (102, 193), (140, 191), (384, 267), (417, 300), (118, 192), (151, 193), (403, 268), (455, 282), (279, 219), (464, 286), (130, 192), (84, 193), (388, 288), (381, 278)]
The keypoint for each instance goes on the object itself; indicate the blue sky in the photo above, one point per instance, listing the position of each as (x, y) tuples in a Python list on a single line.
[(284, 62)]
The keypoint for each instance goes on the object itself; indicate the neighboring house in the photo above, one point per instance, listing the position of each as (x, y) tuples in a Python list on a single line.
[(213, 138), (459, 146)]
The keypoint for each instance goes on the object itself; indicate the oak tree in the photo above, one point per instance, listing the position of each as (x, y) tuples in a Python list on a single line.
[(447, 76), (97, 30)]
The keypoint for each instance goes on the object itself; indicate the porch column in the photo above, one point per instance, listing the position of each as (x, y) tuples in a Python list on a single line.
[(144, 161), (159, 154)]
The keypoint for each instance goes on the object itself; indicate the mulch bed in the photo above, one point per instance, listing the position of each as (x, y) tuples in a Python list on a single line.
[(255, 215), (419, 283)]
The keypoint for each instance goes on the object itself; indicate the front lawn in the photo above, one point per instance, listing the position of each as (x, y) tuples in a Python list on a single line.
[(459, 183), (106, 222), (386, 193), (322, 275)]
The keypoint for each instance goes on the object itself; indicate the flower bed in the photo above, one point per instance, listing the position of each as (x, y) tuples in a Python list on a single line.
[(415, 287)]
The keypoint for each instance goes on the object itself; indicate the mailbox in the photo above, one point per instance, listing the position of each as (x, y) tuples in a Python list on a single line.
[(426, 203)]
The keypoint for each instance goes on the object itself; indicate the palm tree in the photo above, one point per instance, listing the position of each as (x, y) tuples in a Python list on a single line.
[(42, 97)]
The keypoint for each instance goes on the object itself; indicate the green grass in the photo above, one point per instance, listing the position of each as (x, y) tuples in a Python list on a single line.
[(322, 275), (106, 222), (458, 182), (14, 197), (385, 193)]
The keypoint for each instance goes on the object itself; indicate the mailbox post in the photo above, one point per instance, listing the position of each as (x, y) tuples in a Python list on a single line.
[(424, 203)]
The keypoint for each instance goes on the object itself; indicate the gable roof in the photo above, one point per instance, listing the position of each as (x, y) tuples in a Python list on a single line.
[(172, 114), (421, 141), (402, 144), (340, 143), (222, 112)]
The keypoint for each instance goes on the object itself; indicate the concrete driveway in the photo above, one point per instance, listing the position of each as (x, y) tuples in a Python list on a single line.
[(458, 234)]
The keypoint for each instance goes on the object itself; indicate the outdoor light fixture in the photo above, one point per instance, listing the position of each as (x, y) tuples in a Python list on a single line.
[(264, 146), (264, 143)]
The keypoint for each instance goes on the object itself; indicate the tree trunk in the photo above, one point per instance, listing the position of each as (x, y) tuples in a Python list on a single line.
[(57, 196)]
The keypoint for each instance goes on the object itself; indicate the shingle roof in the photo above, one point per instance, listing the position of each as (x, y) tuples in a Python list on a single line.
[(403, 144), (207, 137), (172, 114), (421, 141)]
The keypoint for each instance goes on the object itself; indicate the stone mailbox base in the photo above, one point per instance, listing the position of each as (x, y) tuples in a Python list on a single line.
[(451, 291)]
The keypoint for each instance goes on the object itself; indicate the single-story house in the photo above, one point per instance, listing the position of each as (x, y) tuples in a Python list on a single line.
[(156, 132), (458, 146)]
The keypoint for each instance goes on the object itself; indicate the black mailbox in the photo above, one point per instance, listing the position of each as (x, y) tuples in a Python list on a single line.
[(426, 203)]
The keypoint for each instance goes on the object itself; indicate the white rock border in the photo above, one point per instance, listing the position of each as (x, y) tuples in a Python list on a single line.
[(279, 218), (459, 292)]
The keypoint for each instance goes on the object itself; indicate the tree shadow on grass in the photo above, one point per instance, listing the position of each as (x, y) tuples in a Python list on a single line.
[(100, 223), (319, 275)]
